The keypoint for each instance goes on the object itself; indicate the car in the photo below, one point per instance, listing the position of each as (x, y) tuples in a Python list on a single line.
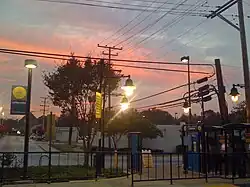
[(32, 136)]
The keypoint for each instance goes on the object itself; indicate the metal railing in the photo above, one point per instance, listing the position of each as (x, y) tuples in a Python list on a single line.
[(64, 166), (171, 166), (141, 166)]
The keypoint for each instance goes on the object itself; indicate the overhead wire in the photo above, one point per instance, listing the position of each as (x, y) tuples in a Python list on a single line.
[(160, 2), (173, 22), (52, 55), (150, 25), (102, 6), (137, 24), (167, 103), (160, 93), (131, 21), (179, 36), (60, 58), (161, 69), (119, 65)]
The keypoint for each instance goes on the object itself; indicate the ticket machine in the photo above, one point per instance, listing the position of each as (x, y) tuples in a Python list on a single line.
[(197, 139)]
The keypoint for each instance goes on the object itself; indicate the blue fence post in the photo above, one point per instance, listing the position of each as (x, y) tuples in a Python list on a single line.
[(135, 150)]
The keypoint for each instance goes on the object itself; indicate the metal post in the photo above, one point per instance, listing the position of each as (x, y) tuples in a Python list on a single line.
[(203, 110), (189, 93), (50, 142), (109, 94), (27, 125), (103, 126), (98, 158), (221, 93), (244, 57)]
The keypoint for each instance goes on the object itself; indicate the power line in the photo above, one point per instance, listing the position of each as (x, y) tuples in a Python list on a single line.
[(168, 25), (131, 21), (127, 31), (56, 55), (185, 44), (160, 93), (120, 65), (151, 24), (166, 104), (132, 5), (162, 69), (170, 3), (101, 6), (178, 37)]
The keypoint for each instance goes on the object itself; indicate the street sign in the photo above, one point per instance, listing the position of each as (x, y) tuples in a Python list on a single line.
[(18, 100), (98, 105)]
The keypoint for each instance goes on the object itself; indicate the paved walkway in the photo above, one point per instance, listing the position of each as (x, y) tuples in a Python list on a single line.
[(124, 182)]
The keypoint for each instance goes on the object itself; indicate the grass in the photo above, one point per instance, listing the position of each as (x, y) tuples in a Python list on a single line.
[(41, 173)]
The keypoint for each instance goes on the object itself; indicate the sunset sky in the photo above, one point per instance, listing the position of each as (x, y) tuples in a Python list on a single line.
[(63, 28)]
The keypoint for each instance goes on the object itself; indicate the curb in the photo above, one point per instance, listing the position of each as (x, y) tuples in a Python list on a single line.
[(42, 148)]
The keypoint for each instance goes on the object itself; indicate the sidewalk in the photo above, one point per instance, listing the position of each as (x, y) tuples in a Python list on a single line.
[(124, 182)]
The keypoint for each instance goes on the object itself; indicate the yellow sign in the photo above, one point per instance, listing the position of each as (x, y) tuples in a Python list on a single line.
[(18, 100), (98, 105), (147, 159), (19, 92), (51, 124)]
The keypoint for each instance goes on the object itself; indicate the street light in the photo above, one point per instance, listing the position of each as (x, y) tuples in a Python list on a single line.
[(234, 94), (30, 64), (129, 87), (124, 103), (186, 107), (186, 59)]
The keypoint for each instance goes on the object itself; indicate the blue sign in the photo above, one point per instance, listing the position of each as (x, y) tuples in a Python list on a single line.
[(18, 100)]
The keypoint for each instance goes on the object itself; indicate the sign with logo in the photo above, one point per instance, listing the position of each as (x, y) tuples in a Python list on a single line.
[(18, 100), (98, 105)]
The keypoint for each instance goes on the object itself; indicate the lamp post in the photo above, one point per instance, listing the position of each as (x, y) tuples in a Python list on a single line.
[(186, 107), (234, 92), (186, 59), (124, 103), (30, 64), (129, 87)]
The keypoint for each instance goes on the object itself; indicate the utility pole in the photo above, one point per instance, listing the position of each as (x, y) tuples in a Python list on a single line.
[(241, 29), (44, 109), (109, 86), (221, 93)]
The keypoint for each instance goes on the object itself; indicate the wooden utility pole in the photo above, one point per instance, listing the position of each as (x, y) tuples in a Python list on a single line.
[(109, 86), (241, 29), (221, 93), (44, 109)]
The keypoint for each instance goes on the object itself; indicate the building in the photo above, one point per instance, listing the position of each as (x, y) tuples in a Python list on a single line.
[(171, 138), (62, 134)]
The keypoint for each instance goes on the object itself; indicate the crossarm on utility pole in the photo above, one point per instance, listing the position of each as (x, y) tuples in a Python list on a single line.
[(228, 21)]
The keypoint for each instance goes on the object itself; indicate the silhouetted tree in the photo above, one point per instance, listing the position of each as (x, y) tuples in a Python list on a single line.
[(72, 86), (212, 118), (238, 113), (131, 121), (159, 117)]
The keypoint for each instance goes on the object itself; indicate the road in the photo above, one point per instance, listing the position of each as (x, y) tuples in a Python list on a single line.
[(16, 144)]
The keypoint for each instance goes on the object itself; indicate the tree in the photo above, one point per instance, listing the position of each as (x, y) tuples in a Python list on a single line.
[(72, 86), (159, 117), (131, 121), (212, 118), (238, 113)]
